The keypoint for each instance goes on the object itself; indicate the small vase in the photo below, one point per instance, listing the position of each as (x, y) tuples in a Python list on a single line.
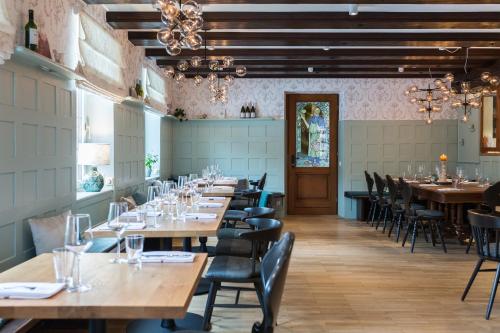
[(93, 181), (148, 172)]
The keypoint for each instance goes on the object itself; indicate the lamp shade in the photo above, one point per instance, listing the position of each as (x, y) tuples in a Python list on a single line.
[(94, 153)]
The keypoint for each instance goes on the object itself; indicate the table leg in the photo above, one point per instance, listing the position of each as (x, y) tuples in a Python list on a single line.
[(203, 244), (186, 244), (461, 233), (97, 326), (166, 244)]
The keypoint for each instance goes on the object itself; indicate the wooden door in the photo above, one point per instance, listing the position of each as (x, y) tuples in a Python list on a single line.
[(311, 139)]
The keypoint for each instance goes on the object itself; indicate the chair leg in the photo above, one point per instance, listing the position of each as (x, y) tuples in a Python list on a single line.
[(479, 263), (386, 213), (374, 213), (406, 234), (259, 292), (441, 238), (380, 215), (393, 221), (493, 293), (370, 211), (399, 226), (209, 307), (469, 244), (433, 237), (414, 235), (422, 226)]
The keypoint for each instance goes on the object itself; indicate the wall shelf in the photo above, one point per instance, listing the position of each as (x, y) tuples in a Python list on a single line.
[(236, 119), (139, 103), (32, 59)]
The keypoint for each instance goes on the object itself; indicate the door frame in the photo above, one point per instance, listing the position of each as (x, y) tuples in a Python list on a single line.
[(334, 160)]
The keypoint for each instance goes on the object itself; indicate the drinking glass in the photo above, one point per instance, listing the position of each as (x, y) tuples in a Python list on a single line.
[(193, 177), (152, 212), (134, 245), (78, 241), (167, 186), (63, 260), (141, 213), (117, 226), (181, 181), (181, 209), (409, 170), (153, 193)]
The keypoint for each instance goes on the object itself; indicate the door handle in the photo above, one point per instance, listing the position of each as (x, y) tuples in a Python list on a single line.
[(293, 161)]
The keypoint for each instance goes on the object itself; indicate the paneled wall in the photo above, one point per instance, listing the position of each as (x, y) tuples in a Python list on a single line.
[(386, 147), (166, 131), (242, 148), (37, 155)]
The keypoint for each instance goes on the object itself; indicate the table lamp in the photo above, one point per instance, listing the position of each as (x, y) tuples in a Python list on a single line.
[(93, 154)]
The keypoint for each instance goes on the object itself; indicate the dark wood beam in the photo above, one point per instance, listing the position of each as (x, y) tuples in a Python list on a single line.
[(148, 38), (319, 70), (385, 75), (333, 54), (317, 20)]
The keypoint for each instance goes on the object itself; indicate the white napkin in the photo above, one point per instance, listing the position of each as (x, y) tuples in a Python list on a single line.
[(29, 290), (149, 214), (230, 179), (201, 216), (214, 198), (167, 256), (210, 204), (449, 189), (130, 226), (223, 188), (428, 185)]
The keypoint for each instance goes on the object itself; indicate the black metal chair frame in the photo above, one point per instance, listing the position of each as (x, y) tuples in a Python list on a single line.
[(371, 197), (382, 203)]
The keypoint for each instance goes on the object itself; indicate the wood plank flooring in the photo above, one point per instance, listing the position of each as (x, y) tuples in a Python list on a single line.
[(347, 277)]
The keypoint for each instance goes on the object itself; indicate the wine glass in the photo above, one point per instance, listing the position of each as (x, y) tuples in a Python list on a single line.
[(117, 226), (193, 177), (153, 193), (78, 239), (181, 181)]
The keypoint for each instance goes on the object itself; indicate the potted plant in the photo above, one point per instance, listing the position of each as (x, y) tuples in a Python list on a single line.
[(180, 114), (151, 160)]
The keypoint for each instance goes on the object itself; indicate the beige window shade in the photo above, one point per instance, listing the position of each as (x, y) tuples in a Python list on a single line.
[(101, 56), (155, 86), (7, 34)]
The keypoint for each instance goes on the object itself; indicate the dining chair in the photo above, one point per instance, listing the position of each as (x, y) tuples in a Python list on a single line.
[(397, 212), (272, 279), (371, 197), (420, 218), (485, 230), (382, 202), (240, 270), (231, 231)]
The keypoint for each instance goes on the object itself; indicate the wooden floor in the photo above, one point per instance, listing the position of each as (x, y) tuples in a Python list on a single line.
[(347, 277)]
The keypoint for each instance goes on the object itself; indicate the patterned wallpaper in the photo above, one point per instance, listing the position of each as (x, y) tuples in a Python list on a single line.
[(58, 21), (360, 99)]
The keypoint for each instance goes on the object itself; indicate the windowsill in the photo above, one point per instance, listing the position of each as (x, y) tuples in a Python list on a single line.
[(87, 195), (153, 177)]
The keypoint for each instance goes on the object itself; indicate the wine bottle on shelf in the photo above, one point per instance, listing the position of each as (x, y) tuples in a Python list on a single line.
[(31, 33), (247, 111), (242, 112), (252, 111)]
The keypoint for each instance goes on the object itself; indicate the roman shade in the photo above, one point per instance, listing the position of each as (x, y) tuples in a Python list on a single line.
[(102, 61), (7, 33), (155, 86)]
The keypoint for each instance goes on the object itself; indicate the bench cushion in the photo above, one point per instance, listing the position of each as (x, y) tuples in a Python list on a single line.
[(48, 232)]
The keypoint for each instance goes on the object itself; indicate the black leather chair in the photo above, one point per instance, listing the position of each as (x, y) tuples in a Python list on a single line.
[(273, 275), (397, 212), (232, 230), (420, 219), (233, 269), (242, 199), (371, 197), (485, 230), (383, 204)]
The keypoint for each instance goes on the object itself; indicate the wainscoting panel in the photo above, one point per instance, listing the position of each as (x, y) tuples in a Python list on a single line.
[(386, 147), (166, 131), (37, 155), (241, 148)]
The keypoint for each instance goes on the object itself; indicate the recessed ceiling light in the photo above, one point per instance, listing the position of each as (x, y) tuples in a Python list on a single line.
[(310, 69), (353, 9)]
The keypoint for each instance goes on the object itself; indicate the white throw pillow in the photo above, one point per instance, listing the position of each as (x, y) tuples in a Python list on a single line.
[(48, 232)]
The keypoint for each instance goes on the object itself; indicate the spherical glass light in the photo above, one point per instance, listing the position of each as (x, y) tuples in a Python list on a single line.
[(227, 62), (182, 65), (486, 91), (449, 77), (485, 76), (169, 71), (422, 109), (198, 80), (191, 9), (446, 98), (436, 108), (174, 48), (213, 65), (413, 89), (193, 41), (212, 77), (465, 87), (228, 79), (465, 118), (196, 62), (438, 82), (179, 77), (428, 121), (187, 27), (170, 9), (165, 36), (413, 100), (494, 81), (407, 93), (241, 71), (198, 22)]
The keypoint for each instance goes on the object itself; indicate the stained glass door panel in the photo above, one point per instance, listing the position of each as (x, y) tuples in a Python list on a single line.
[(312, 144)]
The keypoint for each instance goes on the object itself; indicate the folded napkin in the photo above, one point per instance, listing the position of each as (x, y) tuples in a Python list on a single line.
[(167, 256), (210, 204), (230, 179), (214, 198), (428, 185), (149, 214), (130, 226), (449, 189), (201, 216), (29, 290), (223, 188)]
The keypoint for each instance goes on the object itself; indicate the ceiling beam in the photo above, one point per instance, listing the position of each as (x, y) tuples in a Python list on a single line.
[(317, 20), (386, 75), (306, 2), (148, 38), (321, 70)]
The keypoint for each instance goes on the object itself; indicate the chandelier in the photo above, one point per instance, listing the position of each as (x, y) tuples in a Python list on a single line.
[(431, 99), (182, 22)]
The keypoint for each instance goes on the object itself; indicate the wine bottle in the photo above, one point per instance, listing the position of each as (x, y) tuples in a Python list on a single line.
[(242, 112), (247, 111), (252, 112), (31, 33)]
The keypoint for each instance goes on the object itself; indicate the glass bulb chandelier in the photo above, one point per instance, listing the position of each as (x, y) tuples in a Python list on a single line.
[(182, 22), (430, 100)]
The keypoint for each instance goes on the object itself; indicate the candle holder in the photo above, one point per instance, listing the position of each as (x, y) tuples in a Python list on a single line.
[(443, 171)]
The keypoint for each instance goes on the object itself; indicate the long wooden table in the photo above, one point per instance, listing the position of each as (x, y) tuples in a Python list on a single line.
[(451, 201), (220, 191), (118, 291)]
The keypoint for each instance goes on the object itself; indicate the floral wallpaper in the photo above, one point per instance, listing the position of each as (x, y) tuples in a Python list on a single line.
[(360, 99), (58, 21)]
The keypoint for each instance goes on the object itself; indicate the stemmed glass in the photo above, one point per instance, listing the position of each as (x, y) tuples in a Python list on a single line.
[(118, 227), (193, 177), (153, 204), (181, 181), (78, 239)]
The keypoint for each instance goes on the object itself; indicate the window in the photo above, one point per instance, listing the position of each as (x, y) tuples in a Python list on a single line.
[(95, 141), (152, 143), (7, 34), (155, 86)]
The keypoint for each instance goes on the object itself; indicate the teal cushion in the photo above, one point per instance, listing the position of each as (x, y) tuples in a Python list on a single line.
[(264, 198)]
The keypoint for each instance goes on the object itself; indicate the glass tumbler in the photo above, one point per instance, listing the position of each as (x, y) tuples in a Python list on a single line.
[(64, 261), (134, 245)]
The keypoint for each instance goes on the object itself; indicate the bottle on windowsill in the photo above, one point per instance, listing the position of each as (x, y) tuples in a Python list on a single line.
[(247, 111), (252, 112), (31, 33), (242, 112)]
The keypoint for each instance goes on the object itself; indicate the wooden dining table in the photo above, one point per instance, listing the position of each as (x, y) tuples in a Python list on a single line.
[(451, 201), (223, 182), (220, 191), (118, 291)]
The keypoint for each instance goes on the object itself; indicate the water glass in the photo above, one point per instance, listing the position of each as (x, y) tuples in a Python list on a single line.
[(181, 210), (134, 245), (152, 210), (116, 225), (153, 193), (78, 241), (193, 177), (181, 181), (63, 260)]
